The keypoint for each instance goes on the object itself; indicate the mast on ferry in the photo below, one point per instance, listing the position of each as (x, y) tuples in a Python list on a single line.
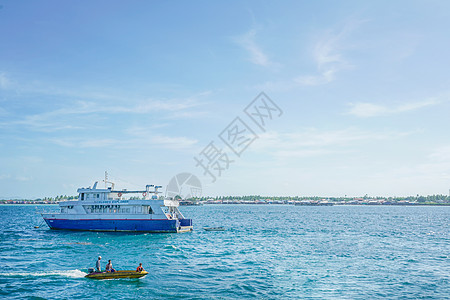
[(106, 181)]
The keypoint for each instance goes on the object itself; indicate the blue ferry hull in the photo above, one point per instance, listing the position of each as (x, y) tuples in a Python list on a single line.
[(120, 225)]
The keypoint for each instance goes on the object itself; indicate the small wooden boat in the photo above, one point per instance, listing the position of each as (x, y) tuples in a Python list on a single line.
[(116, 274), (214, 228)]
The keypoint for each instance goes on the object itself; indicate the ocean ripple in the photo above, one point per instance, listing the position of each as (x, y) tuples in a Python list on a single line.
[(266, 252)]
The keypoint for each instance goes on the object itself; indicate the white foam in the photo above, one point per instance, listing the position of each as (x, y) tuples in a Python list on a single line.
[(64, 273)]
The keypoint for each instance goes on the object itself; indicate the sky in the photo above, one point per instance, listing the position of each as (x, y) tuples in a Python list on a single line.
[(355, 96)]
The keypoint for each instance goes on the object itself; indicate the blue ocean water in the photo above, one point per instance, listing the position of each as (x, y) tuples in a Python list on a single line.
[(267, 252)]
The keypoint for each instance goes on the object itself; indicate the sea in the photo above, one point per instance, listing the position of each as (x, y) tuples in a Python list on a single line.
[(266, 252)]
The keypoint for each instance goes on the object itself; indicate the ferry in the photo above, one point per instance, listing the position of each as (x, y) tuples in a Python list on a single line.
[(107, 209)]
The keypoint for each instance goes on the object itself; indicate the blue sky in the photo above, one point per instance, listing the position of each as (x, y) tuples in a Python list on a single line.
[(139, 89)]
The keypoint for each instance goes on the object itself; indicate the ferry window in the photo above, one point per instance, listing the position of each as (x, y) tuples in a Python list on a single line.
[(98, 195), (150, 210), (82, 196)]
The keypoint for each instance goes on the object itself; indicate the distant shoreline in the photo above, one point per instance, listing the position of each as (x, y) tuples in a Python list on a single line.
[(259, 204)]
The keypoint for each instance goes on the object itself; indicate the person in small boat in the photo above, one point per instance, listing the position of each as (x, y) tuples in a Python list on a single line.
[(140, 268), (98, 266), (109, 267)]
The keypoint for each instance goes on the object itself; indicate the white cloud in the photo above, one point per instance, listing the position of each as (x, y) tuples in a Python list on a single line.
[(140, 131), (186, 115), (4, 81), (365, 110), (68, 117), (17, 177), (429, 176), (314, 142), (328, 56), (141, 107), (23, 178), (441, 154), (161, 141), (153, 105), (173, 142), (300, 153), (327, 76), (416, 105), (3, 112), (257, 56)]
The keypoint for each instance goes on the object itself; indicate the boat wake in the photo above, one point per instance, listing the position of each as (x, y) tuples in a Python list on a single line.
[(62, 273)]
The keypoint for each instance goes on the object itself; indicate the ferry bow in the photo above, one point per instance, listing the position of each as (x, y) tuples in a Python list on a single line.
[(119, 210)]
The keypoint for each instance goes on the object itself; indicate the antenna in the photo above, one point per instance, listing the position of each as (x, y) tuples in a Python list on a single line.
[(106, 181)]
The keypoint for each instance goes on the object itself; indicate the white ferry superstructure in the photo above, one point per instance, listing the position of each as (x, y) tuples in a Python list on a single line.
[(117, 210)]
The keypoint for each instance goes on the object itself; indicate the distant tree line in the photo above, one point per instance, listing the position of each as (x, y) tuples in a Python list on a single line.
[(418, 198), (58, 198)]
